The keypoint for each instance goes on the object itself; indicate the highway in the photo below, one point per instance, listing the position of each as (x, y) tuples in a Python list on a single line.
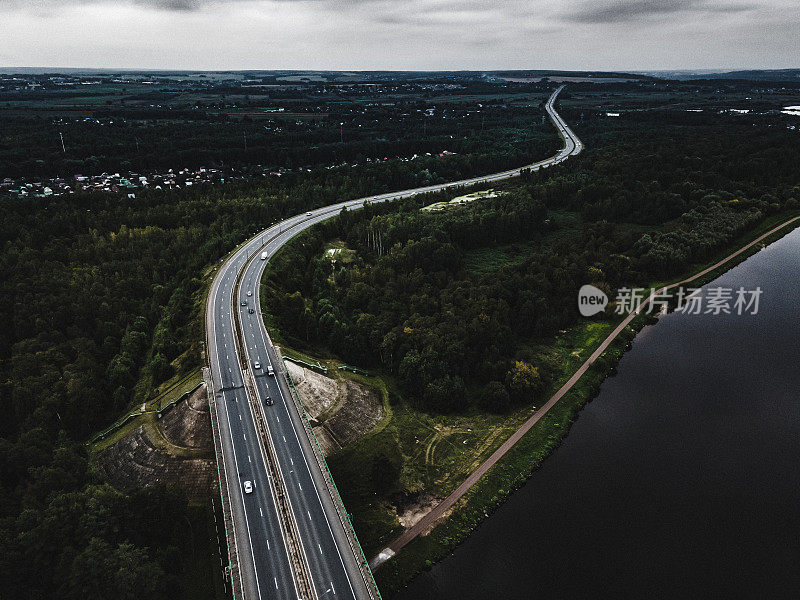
[(262, 543)]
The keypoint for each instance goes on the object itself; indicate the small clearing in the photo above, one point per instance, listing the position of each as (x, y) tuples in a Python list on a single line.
[(459, 200), (414, 508)]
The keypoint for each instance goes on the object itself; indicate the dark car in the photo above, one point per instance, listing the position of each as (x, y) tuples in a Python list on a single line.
[(244, 302), (251, 311), (269, 401)]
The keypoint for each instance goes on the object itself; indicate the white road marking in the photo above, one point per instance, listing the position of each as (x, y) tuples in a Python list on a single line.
[(261, 512)]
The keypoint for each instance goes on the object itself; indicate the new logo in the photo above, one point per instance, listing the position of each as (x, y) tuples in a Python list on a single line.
[(591, 300)]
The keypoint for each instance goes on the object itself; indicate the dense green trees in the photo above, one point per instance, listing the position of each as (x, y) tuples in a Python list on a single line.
[(102, 296), (409, 303), (102, 301)]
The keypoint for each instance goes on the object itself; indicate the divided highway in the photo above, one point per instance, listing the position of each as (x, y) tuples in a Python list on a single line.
[(244, 395)]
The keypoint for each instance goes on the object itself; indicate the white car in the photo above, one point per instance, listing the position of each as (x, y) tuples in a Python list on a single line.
[(249, 293), (257, 365), (248, 487)]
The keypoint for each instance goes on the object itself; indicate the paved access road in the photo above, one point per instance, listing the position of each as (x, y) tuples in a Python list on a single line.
[(263, 558)]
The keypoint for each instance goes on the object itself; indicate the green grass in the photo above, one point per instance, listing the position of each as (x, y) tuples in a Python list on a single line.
[(487, 260), (174, 388), (563, 226)]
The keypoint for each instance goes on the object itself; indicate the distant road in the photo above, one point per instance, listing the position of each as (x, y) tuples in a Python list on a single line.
[(334, 562)]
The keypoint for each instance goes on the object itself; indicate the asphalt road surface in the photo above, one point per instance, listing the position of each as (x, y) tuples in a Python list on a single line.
[(262, 551)]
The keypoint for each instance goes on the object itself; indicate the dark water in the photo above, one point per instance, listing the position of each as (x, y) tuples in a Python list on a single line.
[(680, 480)]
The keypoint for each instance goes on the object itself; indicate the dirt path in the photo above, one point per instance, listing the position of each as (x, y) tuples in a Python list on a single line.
[(429, 520)]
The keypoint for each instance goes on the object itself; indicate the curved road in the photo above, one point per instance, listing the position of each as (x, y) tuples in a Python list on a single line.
[(335, 569)]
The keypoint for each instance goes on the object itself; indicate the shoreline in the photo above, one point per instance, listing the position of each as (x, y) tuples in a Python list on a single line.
[(515, 461)]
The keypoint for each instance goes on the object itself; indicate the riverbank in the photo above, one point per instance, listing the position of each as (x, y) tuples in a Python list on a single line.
[(513, 469), (683, 463)]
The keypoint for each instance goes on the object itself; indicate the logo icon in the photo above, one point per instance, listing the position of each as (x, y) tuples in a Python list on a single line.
[(591, 300)]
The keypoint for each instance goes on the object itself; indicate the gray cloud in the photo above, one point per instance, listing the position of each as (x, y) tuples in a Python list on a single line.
[(623, 11), (413, 34), (38, 6)]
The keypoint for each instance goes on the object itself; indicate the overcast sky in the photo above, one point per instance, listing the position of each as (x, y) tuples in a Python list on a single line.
[(401, 34)]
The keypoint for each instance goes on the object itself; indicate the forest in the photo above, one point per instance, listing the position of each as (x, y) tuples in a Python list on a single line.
[(134, 128), (102, 298), (409, 304)]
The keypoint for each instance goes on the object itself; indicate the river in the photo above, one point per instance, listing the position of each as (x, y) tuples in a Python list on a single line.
[(680, 480)]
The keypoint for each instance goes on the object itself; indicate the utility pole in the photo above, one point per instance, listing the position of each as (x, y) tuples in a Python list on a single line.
[(341, 133), (137, 145), (244, 133), (63, 147)]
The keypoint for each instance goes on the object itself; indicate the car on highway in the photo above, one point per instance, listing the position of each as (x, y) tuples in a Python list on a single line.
[(249, 293), (248, 487), (250, 311), (270, 371), (309, 213), (269, 401), (256, 365), (244, 302)]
